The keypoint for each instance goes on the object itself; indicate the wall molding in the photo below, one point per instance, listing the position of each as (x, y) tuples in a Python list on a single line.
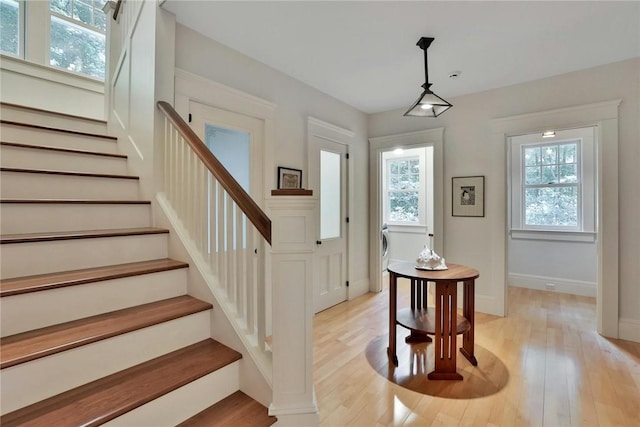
[(51, 74), (209, 92), (573, 287), (560, 118), (326, 127)]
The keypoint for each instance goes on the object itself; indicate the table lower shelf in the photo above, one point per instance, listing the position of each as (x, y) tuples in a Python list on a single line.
[(422, 320)]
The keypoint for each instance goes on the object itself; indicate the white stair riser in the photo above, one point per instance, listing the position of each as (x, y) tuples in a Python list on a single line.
[(49, 186), (18, 258), (26, 135), (34, 310), (181, 404), (52, 120), (28, 158), (20, 218), (33, 381)]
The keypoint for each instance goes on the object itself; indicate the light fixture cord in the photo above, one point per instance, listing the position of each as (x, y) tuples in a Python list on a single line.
[(426, 70)]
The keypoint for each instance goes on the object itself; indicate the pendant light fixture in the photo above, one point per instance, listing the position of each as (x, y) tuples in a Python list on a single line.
[(428, 104)]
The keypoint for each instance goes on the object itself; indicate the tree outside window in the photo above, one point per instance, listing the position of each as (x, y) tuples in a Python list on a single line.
[(551, 184), (10, 27), (78, 40), (403, 187)]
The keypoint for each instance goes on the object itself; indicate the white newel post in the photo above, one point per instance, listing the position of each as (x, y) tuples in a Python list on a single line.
[(293, 242)]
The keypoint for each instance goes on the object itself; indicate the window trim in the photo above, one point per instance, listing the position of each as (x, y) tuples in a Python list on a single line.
[(577, 185), (35, 37), (409, 154), (587, 188), (78, 23)]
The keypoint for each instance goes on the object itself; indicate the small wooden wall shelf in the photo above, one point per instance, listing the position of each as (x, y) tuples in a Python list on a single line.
[(292, 192)]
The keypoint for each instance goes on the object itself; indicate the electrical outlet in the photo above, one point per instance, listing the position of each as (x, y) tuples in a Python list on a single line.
[(550, 286)]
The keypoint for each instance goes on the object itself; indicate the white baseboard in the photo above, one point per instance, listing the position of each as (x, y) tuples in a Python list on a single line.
[(358, 288), (485, 303), (629, 329), (573, 287)]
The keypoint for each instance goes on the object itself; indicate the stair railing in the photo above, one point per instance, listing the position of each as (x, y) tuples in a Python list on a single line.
[(229, 230)]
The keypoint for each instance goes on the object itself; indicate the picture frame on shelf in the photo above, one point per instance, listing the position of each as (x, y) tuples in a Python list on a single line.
[(289, 178), (467, 196)]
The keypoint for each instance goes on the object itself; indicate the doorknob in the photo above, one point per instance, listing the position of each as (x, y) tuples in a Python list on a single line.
[(318, 242)]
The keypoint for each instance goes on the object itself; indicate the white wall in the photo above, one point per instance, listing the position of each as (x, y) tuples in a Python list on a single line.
[(468, 151), (295, 101), (570, 266), (38, 86)]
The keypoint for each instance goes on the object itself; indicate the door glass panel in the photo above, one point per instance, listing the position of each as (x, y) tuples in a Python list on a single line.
[(232, 148), (330, 180)]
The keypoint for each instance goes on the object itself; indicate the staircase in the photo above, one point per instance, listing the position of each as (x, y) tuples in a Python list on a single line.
[(97, 326)]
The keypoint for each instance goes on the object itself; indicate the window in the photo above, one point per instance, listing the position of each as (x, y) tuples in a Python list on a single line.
[(403, 189), (406, 190), (77, 36), (10, 24), (551, 184)]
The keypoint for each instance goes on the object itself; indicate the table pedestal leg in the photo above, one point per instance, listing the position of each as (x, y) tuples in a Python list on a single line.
[(445, 334), (418, 301), (468, 312), (393, 302)]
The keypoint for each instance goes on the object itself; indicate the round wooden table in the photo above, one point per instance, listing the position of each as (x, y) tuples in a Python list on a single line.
[(444, 324)]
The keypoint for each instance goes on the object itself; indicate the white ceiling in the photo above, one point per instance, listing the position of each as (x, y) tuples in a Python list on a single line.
[(364, 52)]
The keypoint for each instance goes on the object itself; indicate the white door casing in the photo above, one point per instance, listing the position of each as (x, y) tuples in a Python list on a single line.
[(328, 178), (202, 115), (604, 116), (431, 138)]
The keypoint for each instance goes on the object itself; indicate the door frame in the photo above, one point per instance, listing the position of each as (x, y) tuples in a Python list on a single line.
[(603, 116), (321, 129), (250, 125), (192, 87), (425, 138)]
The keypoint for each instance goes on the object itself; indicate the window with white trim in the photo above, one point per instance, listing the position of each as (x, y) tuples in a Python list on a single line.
[(78, 36), (403, 190), (553, 182), (66, 34), (551, 185), (406, 193)]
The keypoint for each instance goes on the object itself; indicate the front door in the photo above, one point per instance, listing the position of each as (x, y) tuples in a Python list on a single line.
[(328, 163)]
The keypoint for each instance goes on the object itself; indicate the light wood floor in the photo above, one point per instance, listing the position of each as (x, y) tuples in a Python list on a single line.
[(542, 365)]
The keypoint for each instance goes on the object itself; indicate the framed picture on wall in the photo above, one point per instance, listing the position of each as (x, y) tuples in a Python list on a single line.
[(467, 196), (289, 178)]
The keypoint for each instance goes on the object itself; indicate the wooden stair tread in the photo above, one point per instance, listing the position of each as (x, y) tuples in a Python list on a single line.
[(54, 129), (62, 150), (102, 400), (84, 234), (76, 201), (68, 173), (26, 346), (41, 282), (237, 409)]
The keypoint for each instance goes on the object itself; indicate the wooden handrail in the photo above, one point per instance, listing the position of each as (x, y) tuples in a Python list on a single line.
[(116, 11), (253, 212)]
